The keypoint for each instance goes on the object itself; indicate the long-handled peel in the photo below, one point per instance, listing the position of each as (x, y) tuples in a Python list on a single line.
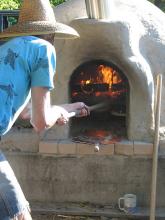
[(91, 108)]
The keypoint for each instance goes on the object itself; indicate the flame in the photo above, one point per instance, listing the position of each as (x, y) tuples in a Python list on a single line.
[(108, 79), (85, 82), (109, 75), (88, 82), (105, 74)]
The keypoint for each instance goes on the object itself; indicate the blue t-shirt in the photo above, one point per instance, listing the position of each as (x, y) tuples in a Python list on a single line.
[(25, 62)]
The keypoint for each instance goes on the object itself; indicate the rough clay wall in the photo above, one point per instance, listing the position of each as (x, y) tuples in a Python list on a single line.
[(137, 24)]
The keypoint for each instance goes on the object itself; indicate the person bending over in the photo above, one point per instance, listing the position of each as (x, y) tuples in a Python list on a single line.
[(27, 68)]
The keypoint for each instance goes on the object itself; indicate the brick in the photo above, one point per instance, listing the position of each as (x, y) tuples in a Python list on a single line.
[(143, 148), (66, 147), (24, 140), (108, 149), (85, 149), (48, 147), (124, 148)]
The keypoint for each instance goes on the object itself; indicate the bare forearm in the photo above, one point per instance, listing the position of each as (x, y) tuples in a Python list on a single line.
[(68, 107), (55, 113), (47, 119), (79, 108), (71, 107)]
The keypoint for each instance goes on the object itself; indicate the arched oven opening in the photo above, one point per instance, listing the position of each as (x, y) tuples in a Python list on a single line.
[(95, 82)]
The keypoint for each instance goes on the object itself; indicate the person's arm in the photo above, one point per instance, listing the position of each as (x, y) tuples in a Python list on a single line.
[(79, 108), (44, 115)]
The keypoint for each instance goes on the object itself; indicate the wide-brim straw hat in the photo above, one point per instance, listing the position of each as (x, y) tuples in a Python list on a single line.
[(37, 17)]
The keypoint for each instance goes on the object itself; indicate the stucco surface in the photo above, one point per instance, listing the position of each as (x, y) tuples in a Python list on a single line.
[(133, 38), (88, 179)]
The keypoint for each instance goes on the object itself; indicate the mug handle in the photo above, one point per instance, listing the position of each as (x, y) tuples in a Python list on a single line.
[(119, 204)]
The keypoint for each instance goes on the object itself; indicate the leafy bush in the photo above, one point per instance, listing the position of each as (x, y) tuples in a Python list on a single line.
[(9, 4), (15, 4), (57, 2)]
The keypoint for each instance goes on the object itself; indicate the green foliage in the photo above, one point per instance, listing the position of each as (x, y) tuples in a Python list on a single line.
[(15, 4), (57, 2), (11, 20), (9, 4), (159, 3), (162, 5)]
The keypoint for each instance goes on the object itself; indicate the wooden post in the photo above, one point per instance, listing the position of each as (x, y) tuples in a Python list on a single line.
[(155, 148)]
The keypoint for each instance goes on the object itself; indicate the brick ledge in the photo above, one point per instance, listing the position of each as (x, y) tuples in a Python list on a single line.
[(67, 147)]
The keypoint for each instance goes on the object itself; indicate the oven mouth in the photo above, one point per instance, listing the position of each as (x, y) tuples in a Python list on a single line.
[(95, 82)]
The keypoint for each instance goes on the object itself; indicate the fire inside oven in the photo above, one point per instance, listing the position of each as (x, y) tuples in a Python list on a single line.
[(97, 82)]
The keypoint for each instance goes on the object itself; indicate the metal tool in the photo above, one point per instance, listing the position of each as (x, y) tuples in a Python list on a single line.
[(91, 108)]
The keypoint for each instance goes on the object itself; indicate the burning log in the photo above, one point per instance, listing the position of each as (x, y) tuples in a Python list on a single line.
[(97, 83), (90, 88)]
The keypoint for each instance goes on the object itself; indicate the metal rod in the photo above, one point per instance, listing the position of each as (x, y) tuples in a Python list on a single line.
[(97, 106), (91, 108), (155, 148)]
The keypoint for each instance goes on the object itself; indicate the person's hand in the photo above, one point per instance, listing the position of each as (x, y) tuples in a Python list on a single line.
[(81, 109), (62, 120), (63, 116)]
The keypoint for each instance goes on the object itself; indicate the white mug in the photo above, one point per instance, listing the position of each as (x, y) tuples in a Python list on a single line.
[(127, 203)]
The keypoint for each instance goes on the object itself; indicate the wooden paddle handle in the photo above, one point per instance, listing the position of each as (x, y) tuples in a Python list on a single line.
[(155, 148)]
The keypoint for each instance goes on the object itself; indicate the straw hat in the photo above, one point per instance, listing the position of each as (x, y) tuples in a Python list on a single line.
[(36, 18)]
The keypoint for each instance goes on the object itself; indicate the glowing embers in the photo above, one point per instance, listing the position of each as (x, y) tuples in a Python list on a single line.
[(98, 136)]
